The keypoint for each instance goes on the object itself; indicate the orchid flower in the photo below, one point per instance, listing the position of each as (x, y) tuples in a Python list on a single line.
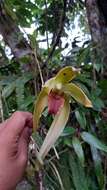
[(55, 95)]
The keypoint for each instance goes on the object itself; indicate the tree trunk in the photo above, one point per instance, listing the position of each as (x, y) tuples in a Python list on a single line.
[(12, 34), (97, 18), (19, 46)]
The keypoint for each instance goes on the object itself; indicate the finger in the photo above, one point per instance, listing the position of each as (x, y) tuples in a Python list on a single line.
[(24, 142), (25, 136), (17, 123), (3, 124)]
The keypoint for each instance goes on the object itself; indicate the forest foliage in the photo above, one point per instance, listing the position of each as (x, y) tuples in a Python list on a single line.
[(59, 36)]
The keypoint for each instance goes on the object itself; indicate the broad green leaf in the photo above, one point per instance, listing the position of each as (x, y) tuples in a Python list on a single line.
[(77, 94), (80, 116), (78, 149), (65, 172), (68, 131), (93, 141), (98, 104), (98, 166), (97, 67), (40, 105), (78, 175), (103, 86), (55, 130), (68, 142)]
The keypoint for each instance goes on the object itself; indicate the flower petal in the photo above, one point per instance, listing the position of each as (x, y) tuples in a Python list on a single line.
[(77, 94), (66, 74), (50, 84), (55, 102), (56, 129), (41, 103)]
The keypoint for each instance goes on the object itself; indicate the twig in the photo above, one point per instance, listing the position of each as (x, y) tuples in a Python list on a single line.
[(34, 60), (60, 30), (56, 153), (47, 39), (53, 157), (38, 64), (58, 175)]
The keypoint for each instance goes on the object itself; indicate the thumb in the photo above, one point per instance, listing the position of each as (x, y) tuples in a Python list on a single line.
[(24, 142), (17, 123)]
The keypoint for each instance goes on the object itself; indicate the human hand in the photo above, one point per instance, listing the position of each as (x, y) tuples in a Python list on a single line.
[(14, 139)]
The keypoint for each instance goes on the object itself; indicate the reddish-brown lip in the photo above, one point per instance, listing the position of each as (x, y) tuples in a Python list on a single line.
[(55, 102)]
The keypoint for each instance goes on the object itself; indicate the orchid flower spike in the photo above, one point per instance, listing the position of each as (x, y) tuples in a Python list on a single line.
[(55, 95)]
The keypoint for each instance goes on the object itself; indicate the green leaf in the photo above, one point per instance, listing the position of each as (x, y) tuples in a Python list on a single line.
[(19, 94), (97, 67), (98, 104), (103, 86), (98, 166), (68, 131), (8, 90), (68, 142), (65, 172), (80, 116), (78, 149), (78, 175), (27, 101), (93, 141)]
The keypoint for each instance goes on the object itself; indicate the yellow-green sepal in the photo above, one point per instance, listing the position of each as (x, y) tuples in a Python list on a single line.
[(50, 84), (40, 105), (77, 94), (66, 74)]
